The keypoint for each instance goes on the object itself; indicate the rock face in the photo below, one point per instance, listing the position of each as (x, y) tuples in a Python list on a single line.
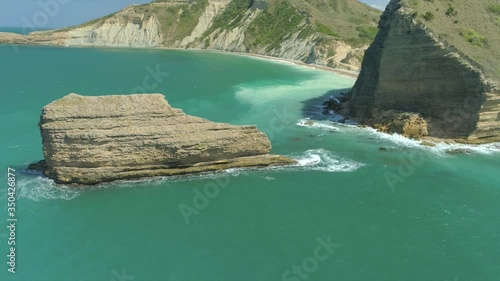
[(228, 25), (410, 125), (410, 69), (88, 140), (118, 32)]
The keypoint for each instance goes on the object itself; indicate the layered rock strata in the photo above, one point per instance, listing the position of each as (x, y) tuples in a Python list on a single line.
[(87, 140), (409, 69)]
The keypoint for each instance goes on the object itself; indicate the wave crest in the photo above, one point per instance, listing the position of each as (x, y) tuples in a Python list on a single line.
[(38, 187), (325, 161)]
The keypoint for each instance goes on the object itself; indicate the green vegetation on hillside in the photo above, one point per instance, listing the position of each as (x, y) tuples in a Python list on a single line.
[(273, 24), (472, 27), (347, 20), (428, 16), (494, 8), (473, 37), (266, 24), (321, 28), (177, 21), (231, 16)]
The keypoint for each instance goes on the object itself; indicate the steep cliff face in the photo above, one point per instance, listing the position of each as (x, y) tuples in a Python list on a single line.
[(412, 68), (88, 140), (118, 31), (300, 30)]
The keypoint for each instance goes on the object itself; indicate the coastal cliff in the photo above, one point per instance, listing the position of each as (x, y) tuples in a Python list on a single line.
[(434, 64), (87, 140), (331, 33)]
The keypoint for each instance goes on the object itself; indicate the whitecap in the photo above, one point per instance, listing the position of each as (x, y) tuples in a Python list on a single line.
[(325, 161), (397, 139), (440, 148), (38, 187), (316, 124), (484, 149)]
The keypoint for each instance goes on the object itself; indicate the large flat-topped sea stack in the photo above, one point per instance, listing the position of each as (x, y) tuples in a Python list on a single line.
[(88, 140)]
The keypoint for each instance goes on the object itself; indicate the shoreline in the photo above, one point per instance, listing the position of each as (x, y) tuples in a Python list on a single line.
[(338, 71), (342, 72)]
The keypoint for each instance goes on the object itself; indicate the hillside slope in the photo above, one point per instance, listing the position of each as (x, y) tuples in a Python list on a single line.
[(435, 64), (332, 33)]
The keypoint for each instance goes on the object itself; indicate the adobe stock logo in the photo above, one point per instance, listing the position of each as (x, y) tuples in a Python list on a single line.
[(310, 264), (3, 236), (121, 276), (40, 19), (151, 80)]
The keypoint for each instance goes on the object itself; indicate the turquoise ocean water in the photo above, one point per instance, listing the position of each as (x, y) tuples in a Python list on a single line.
[(437, 218)]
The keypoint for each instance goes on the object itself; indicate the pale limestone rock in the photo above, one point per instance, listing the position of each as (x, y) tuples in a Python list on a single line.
[(88, 140)]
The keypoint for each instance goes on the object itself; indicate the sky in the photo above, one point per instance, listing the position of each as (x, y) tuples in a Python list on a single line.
[(46, 14)]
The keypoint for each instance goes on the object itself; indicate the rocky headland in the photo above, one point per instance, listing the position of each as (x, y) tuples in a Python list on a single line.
[(88, 140), (432, 71)]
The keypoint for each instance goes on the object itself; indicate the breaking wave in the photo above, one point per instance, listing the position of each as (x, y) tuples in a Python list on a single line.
[(37, 187), (313, 124), (439, 148), (325, 161)]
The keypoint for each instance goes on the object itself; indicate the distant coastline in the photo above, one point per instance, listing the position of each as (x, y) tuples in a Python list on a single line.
[(338, 71)]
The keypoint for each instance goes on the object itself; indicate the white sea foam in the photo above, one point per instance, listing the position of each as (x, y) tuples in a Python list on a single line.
[(485, 149), (440, 148), (325, 161), (162, 180), (38, 187), (397, 139), (317, 124), (288, 93)]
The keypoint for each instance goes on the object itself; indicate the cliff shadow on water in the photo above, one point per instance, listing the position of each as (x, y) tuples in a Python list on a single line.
[(313, 108)]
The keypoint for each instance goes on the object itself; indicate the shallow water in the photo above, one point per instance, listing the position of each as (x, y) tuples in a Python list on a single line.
[(406, 212)]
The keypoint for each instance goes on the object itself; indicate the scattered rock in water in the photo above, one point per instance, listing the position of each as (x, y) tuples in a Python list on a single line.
[(458, 151), (336, 105), (407, 124), (333, 104), (40, 166)]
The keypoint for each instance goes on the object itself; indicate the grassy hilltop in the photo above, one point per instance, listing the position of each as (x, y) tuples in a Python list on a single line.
[(347, 20), (473, 27)]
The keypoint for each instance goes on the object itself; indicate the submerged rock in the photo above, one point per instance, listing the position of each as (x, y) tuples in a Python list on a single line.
[(458, 151), (87, 140), (428, 143)]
